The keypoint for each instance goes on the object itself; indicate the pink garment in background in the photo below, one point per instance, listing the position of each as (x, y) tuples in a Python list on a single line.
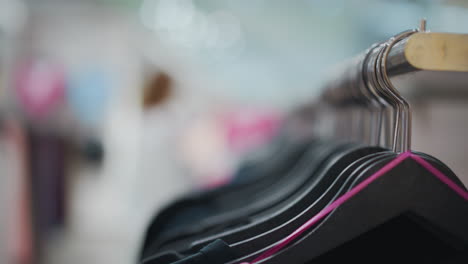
[(39, 87), (213, 146), (247, 129), (244, 130)]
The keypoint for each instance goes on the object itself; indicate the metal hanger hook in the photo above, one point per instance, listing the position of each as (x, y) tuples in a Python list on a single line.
[(403, 121)]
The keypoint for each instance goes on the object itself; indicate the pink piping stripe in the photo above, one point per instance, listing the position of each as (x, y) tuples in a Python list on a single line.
[(345, 197), (441, 176)]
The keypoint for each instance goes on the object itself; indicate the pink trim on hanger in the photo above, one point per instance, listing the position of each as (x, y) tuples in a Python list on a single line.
[(441, 176), (345, 197)]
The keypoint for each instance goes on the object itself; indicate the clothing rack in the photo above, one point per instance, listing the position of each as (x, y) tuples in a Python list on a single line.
[(368, 101), (353, 191), (422, 65)]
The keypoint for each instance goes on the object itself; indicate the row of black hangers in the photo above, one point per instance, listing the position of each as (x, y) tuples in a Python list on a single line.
[(316, 200)]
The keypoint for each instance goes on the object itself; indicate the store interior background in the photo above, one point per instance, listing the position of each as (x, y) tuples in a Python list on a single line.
[(160, 97)]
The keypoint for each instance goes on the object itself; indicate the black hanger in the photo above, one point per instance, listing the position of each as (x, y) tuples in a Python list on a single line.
[(264, 240), (362, 164), (317, 182), (244, 240), (409, 191), (316, 154), (274, 182), (207, 203)]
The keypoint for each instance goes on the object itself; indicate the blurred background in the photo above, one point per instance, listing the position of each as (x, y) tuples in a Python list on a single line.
[(109, 109)]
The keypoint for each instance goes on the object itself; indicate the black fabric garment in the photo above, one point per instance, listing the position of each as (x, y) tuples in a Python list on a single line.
[(215, 253)]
